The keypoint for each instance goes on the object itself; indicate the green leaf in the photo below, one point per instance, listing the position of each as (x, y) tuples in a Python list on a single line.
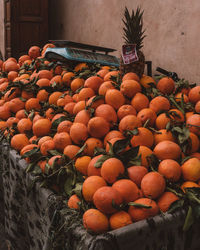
[(79, 153), (68, 186), (130, 155), (120, 145), (138, 205), (58, 121), (136, 161), (189, 220), (31, 152), (78, 189), (54, 152), (176, 205), (101, 160)]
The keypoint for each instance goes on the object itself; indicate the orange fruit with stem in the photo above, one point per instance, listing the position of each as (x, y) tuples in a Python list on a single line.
[(147, 115), (43, 139), (71, 150), (85, 94), (153, 185), (16, 104), (170, 169), (112, 134), (95, 221), (34, 52), (91, 144), (163, 135), (91, 185), (64, 126), (83, 116), (32, 104), (111, 75), (194, 94), (119, 219), (193, 123), (129, 122), (144, 138), (141, 213), (53, 98), (92, 170), (93, 82), (78, 133), (130, 87), (76, 84), (145, 152), (130, 76), (44, 73), (111, 169), (161, 121), (24, 125), (147, 81), (73, 202), (42, 95), (104, 198), (107, 112), (189, 184), (67, 78), (106, 86), (80, 105), (193, 145), (176, 115), (94, 102), (46, 146)]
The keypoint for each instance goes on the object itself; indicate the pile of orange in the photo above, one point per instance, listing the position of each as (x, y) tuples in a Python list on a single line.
[(45, 107)]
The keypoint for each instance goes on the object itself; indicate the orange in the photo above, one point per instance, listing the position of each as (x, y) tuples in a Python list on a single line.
[(78, 107), (69, 107), (161, 121), (80, 66), (180, 96), (92, 143), (63, 100), (83, 116), (104, 198), (71, 150), (78, 133), (22, 59), (56, 159), (95, 221), (32, 103), (3, 125), (98, 127), (102, 72), (166, 85), (42, 165), (44, 73), (193, 122), (43, 82), (145, 152), (81, 164), (12, 75), (61, 140), (16, 104), (176, 115), (159, 103), (163, 135), (107, 112), (93, 82), (4, 112), (67, 78), (46, 146), (76, 84), (56, 80), (19, 141), (196, 154), (91, 185), (129, 122), (140, 101), (93, 103), (24, 125), (92, 170), (27, 95), (119, 219), (115, 98), (193, 144), (146, 81), (43, 139), (143, 138), (105, 86), (170, 169), (85, 94), (189, 184), (194, 94), (42, 95), (153, 185), (139, 213), (64, 126), (20, 114), (42, 127), (73, 202), (57, 116), (111, 169), (197, 107), (112, 134), (109, 75), (112, 142), (129, 88), (167, 150), (11, 66), (130, 76), (53, 98), (125, 110), (147, 114), (34, 52), (191, 169), (28, 148), (136, 173), (165, 201), (128, 190)]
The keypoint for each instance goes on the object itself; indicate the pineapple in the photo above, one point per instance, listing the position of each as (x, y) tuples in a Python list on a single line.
[(133, 34)]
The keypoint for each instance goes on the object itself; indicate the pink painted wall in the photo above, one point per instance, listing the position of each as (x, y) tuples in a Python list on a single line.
[(172, 29)]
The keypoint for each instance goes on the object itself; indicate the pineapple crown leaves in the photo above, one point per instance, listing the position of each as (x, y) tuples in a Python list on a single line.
[(133, 30)]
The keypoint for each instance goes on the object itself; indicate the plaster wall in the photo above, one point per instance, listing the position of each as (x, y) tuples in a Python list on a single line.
[(2, 27), (172, 29)]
